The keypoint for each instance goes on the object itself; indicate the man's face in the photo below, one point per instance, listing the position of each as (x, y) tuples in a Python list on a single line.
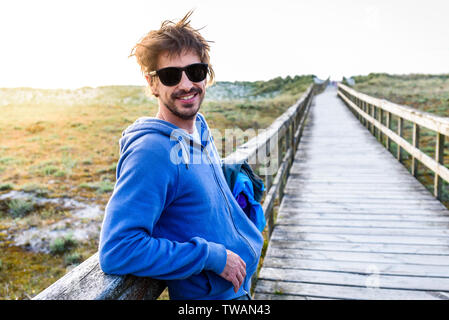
[(184, 99)]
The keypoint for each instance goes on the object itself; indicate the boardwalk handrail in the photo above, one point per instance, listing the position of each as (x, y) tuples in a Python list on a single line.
[(366, 108), (88, 282)]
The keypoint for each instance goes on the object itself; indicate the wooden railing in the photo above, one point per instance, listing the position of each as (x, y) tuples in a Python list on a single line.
[(275, 148), (377, 115)]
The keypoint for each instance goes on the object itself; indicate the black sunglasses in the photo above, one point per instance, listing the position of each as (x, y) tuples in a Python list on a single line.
[(171, 76)]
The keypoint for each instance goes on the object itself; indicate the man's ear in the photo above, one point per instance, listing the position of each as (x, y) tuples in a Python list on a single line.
[(152, 83)]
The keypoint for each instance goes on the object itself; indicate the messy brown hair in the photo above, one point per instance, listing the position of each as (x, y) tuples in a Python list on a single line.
[(173, 38)]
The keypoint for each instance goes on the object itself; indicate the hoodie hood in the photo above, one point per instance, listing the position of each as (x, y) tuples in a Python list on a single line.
[(147, 125)]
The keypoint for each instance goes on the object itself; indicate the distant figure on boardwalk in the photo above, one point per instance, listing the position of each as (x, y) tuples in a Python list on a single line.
[(171, 215)]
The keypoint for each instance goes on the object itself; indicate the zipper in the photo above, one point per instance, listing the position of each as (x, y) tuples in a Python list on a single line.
[(227, 204)]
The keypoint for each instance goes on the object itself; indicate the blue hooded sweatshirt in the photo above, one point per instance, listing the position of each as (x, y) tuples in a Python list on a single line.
[(172, 215)]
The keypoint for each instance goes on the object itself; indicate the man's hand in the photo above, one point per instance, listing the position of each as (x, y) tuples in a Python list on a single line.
[(235, 270)]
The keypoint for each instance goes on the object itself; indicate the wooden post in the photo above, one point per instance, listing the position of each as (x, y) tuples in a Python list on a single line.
[(439, 157), (292, 141), (365, 108), (288, 137), (400, 131), (388, 126), (268, 177), (382, 112), (416, 145), (285, 145), (375, 118), (368, 110), (359, 105), (280, 149)]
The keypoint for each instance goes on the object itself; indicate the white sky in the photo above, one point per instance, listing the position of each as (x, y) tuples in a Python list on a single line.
[(70, 44)]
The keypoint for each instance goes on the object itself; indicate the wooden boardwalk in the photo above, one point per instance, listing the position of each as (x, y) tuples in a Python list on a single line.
[(353, 223)]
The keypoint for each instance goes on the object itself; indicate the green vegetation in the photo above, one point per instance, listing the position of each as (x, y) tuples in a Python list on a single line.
[(37, 189), (18, 208), (6, 186), (72, 258), (288, 85), (62, 245), (257, 104), (100, 187), (425, 92)]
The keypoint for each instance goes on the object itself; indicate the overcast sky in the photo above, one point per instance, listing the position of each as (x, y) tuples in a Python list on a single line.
[(71, 44)]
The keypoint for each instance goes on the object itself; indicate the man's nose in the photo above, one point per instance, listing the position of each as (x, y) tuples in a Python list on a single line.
[(185, 83)]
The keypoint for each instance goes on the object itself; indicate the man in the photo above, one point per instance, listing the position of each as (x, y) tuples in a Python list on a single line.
[(169, 217)]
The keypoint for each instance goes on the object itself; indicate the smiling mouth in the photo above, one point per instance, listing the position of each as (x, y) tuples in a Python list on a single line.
[(188, 99)]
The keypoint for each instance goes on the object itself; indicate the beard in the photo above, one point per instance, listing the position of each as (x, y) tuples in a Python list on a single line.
[(188, 111)]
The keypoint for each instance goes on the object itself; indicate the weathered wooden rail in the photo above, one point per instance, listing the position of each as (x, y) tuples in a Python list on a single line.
[(274, 148), (377, 114)]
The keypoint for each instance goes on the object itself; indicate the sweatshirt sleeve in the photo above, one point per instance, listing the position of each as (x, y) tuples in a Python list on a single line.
[(146, 184)]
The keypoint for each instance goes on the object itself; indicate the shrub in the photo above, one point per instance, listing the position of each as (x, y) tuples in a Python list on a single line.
[(49, 170), (105, 186), (38, 190), (68, 162), (20, 207), (63, 244), (72, 258), (100, 187), (6, 186)]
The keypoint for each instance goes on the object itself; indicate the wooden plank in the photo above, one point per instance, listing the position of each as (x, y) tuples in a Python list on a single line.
[(342, 181), (292, 208), (369, 277), (343, 292), (355, 205), (358, 267), (359, 247), (331, 214), (426, 202), (338, 169), (357, 238), (348, 190), (306, 196), (373, 209), (303, 171), (410, 232), (268, 296), (398, 224), (345, 178), (373, 257), (348, 173), (353, 184), (345, 183), (88, 282)]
